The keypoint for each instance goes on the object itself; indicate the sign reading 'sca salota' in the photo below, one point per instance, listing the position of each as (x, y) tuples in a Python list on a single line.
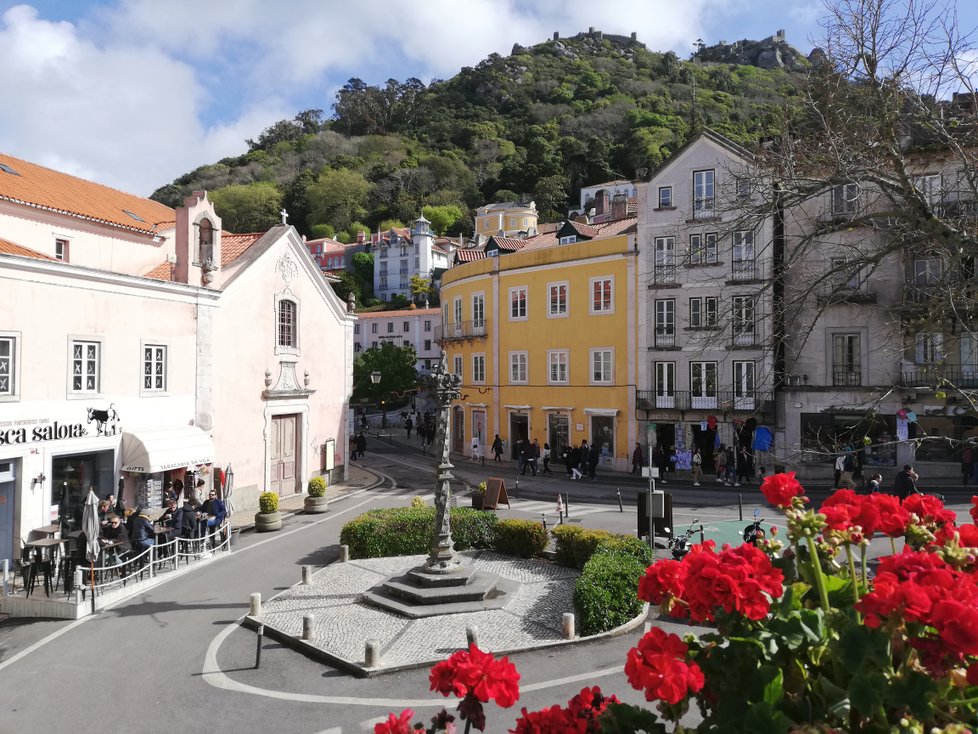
[(38, 434)]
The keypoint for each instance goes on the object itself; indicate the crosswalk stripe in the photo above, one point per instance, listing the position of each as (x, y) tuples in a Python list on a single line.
[(550, 507)]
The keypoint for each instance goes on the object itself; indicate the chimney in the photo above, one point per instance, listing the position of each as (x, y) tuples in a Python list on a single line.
[(619, 206)]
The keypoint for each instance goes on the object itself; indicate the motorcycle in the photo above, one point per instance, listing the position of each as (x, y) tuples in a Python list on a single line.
[(679, 544), (754, 532)]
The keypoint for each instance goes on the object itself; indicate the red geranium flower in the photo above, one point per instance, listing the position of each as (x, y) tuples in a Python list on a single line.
[(841, 509), (957, 625), (969, 536), (660, 668), (779, 489), (893, 518), (974, 508), (928, 508), (398, 725), (477, 673)]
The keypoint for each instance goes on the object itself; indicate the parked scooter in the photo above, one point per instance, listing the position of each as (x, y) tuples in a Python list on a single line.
[(680, 544), (754, 532)]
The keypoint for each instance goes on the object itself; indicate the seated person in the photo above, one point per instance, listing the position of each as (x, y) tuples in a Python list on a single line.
[(188, 520), (104, 510), (215, 512), (115, 532), (143, 537)]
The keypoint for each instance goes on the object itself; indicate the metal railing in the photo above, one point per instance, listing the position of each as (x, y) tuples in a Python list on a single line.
[(664, 274), (847, 377), (723, 400), (665, 338), (936, 376), (745, 270), (461, 330), (836, 292)]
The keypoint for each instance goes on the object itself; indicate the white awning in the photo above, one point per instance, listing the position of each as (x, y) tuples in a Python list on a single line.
[(156, 450)]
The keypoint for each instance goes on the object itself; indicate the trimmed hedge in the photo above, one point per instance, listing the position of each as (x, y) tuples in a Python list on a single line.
[(316, 487), (406, 531), (268, 502), (606, 592), (576, 544), (520, 538)]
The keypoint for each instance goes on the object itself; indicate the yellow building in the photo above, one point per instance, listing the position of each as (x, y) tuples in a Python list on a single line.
[(505, 219), (545, 341)]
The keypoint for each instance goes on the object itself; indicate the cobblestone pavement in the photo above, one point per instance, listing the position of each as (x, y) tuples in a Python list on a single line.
[(342, 626)]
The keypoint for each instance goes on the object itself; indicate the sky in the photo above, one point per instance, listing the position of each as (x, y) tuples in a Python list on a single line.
[(134, 93)]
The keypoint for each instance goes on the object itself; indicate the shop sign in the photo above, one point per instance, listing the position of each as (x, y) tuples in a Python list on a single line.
[(948, 410), (39, 430)]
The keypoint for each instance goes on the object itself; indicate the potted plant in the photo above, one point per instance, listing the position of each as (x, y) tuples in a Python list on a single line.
[(316, 501), (268, 517), (479, 495)]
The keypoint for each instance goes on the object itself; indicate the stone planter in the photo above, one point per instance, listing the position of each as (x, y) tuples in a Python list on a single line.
[(268, 521), (315, 505), (477, 500)]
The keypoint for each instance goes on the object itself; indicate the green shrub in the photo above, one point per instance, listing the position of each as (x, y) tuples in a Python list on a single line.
[(316, 487), (575, 544), (628, 544), (417, 502), (267, 502), (407, 531), (520, 538), (606, 592)]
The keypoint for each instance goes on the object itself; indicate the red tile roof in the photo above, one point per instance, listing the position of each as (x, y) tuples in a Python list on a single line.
[(234, 246), (40, 187), (469, 255), (9, 248), (163, 271), (399, 313)]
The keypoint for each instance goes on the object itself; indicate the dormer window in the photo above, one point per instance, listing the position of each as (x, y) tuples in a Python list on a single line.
[(568, 240), (205, 242)]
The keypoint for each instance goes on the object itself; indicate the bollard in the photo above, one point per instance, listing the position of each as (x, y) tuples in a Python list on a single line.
[(620, 508), (344, 553), (152, 560), (472, 634), (544, 518), (371, 656), (258, 643), (306, 575), (740, 506), (6, 575), (255, 604), (308, 621), (566, 505), (516, 490), (568, 626), (78, 584)]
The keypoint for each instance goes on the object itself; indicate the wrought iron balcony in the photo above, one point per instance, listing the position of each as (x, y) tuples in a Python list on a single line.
[(665, 338), (664, 274), (725, 401), (461, 330), (743, 270), (847, 377), (828, 293), (934, 377)]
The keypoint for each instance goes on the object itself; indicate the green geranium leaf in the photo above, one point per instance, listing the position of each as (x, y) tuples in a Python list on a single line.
[(914, 691), (762, 718), (623, 718), (866, 692), (864, 649), (836, 699), (773, 688)]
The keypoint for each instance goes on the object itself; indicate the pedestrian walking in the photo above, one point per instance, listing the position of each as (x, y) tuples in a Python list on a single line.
[(408, 425), (696, 465), (638, 459), (593, 456), (720, 462), (530, 454), (477, 451), (546, 459), (745, 466), (497, 448), (568, 464), (575, 461), (846, 465), (905, 483), (967, 462)]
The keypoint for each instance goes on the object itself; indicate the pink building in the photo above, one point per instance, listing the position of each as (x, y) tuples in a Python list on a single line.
[(141, 344)]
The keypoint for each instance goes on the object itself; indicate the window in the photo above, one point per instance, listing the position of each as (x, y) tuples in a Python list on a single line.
[(427, 326), (478, 310), (743, 320), (703, 384), (356, 328), (929, 188), (406, 327), (8, 354), (927, 270), (287, 322), (517, 367), (85, 366), (743, 188), (373, 328), (743, 255), (602, 295), (406, 343), (517, 304), (743, 375), (558, 367), (427, 345), (665, 197), (846, 360), (478, 368), (61, 249), (703, 249), (929, 348), (844, 274), (665, 260), (373, 345), (457, 308), (602, 361), (457, 359), (845, 199), (205, 242), (968, 346), (558, 300), (665, 384), (154, 368), (357, 346), (703, 194), (390, 327), (665, 323), (702, 312), (568, 240)]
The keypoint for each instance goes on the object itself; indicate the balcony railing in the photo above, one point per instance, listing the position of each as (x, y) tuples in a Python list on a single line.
[(664, 274), (847, 377), (665, 338), (829, 292), (460, 330), (724, 400), (936, 376), (921, 293), (745, 270), (744, 336)]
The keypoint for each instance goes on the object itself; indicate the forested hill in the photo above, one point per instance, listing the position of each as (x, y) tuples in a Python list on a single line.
[(539, 123)]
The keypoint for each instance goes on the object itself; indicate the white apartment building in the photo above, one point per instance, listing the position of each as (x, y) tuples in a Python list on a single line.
[(402, 253), (405, 328), (705, 320)]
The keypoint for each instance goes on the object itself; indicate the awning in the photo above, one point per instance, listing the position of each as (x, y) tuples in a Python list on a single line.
[(156, 450)]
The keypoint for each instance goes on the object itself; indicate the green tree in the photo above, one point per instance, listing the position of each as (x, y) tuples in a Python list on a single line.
[(397, 366), (344, 283), (338, 197), (296, 201), (420, 288), (363, 266), (442, 218), (550, 196), (248, 208)]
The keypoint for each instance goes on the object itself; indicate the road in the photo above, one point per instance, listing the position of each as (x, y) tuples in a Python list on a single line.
[(175, 658)]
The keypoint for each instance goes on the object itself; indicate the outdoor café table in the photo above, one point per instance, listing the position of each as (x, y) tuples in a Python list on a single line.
[(47, 557), (50, 530), (162, 537)]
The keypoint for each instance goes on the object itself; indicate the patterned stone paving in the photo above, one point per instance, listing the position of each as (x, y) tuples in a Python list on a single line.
[(342, 625)]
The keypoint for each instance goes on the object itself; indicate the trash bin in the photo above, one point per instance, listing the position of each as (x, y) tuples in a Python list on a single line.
[(662, 525)]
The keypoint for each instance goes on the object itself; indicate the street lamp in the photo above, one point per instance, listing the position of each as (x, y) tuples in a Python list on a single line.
[(375, 377)]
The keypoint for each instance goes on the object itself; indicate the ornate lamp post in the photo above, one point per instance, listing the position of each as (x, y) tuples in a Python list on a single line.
[(442, 558)]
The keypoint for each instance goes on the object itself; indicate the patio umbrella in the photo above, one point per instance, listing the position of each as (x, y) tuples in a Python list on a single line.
[(228, 489), (63, 507), (91, 529)]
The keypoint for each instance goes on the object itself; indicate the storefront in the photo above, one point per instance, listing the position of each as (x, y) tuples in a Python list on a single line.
[(154, 457)]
